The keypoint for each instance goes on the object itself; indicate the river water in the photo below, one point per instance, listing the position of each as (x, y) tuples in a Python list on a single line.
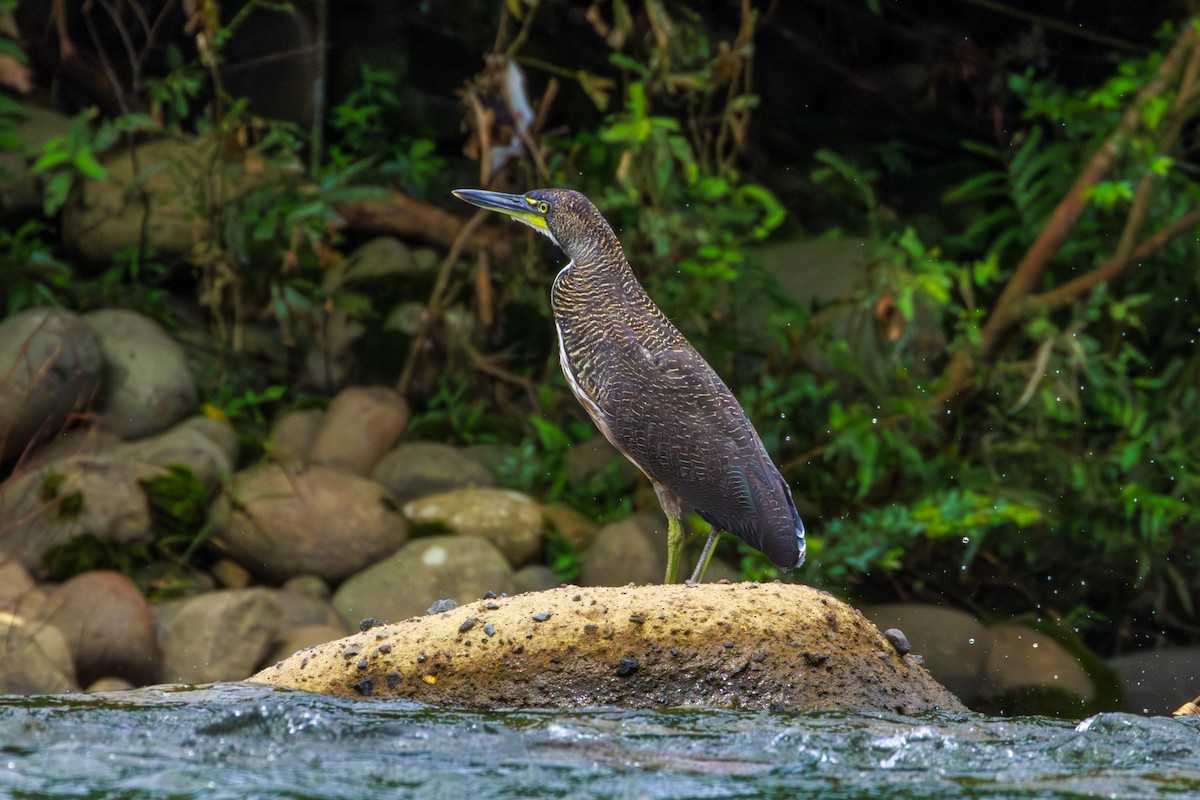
[(243, 741)]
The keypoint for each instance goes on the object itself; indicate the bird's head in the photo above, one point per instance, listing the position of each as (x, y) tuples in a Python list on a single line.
[(568, 218)]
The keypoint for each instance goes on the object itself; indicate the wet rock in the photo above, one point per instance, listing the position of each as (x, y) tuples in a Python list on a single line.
[(283, 521), (535, 578), (748, 646), (509, 520), (361, 424), (579, 530), (220, 636), (1158, 681), (419, 469), (293, 434), (108, 627), (109, 685), (404, 584), (50, 367), (633, 550), (34, 657), (953, 643), (147, 385), (1021, 658)]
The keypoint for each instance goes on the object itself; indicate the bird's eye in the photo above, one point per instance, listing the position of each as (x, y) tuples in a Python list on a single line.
[(543, 207)]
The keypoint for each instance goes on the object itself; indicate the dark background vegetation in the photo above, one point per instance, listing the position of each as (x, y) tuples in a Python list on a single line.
[(999, 408)]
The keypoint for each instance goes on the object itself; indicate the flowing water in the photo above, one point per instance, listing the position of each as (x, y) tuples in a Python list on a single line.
[(243, 741)]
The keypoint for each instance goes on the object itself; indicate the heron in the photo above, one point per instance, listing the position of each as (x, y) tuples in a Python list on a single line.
[(650, 393)]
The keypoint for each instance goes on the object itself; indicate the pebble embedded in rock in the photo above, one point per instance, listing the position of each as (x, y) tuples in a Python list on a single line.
[(898, 640), (626, 666), (542, 617), (441, 606), (368, 623), (467, 624)]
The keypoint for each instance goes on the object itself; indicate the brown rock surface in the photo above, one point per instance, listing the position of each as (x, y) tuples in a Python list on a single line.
[(733, 645), (511, 521), (108, 626), (360, 426), (280, 521)]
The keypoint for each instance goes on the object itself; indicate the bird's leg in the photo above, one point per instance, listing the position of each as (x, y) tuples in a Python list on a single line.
[(674, 548), (705, 556)]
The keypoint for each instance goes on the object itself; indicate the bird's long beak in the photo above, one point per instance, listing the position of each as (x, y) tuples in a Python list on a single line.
[(517, 206)]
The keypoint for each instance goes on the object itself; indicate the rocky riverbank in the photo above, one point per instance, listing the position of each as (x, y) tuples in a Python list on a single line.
[(344, 518)]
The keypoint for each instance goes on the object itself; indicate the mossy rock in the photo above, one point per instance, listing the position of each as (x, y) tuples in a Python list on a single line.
[(747, 645)]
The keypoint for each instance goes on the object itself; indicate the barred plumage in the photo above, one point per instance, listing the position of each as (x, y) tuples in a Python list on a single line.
[(648, 390)]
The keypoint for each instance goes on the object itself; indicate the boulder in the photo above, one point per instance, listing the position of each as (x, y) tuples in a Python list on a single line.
[(34, 657), (293, 434), (101, 496), (148, 386), (747, 646), (50, 368), (83, 442), (633, 550), (361, 424), (509, 520), (418, 469), (220, 636), (579, 530), (160, 193), (280, 521), (535, 578), (1021, 659), (108, 627), (459, 568), (1158, 681)]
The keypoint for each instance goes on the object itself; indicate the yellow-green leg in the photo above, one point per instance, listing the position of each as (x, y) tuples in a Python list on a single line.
[(674, 548), (705, 556)]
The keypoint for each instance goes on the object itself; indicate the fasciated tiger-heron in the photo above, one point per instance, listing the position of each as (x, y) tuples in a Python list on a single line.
[(649, 392)]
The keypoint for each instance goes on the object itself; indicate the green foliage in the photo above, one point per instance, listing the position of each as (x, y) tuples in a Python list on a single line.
[(178, 503), (363, 133), (34, 276)]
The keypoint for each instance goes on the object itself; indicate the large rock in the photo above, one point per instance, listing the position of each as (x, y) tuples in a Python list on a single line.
[(750, 646), (220, 636), (160, 194), (1158, 681), (293, 434), (456, 568), (361, 424), (509, 520), (34, 657), (419, 469), (148, 386), (633, 550), (108, 627), (1021, 659), (101, 496), (50, 367), (280, 521)]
